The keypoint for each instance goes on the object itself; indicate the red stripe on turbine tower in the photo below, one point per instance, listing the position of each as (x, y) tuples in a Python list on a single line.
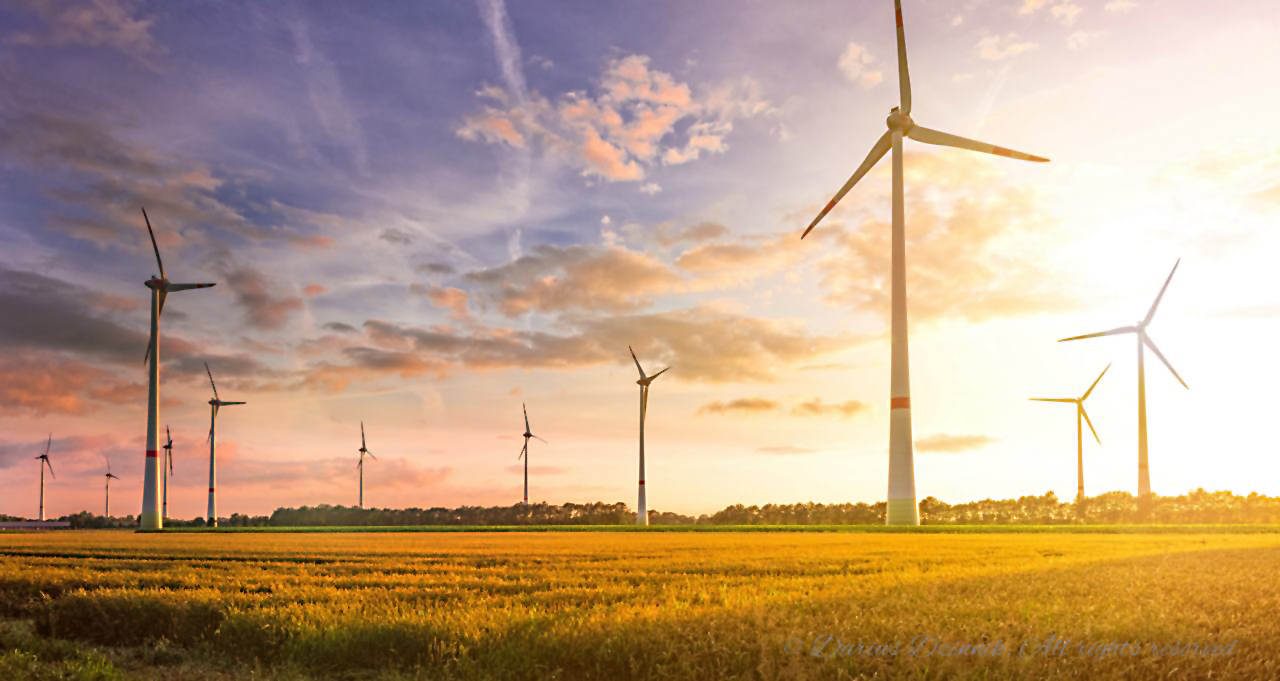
[(151, 454), (642, 482), (211, 490), (900, 403)]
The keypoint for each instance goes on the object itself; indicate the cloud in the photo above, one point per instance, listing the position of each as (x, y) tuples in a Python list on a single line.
[(505, 47), (1031, 6), (1066, 12), (952, 443), (265, 309), (1082, 39), (785, 450), (254, 472), (667, 235), (855, 63), (437, 268), (96, 23), (816, 407), (339, 327), (449, 298), (651, 188), (745, 405), (313, 290), (325, 93), (997, 48), (537, 470), (702, 344), (42, 313), (968, 255), (636, 118), (735, 263), (555, 279), (99, 180), (38, 384), (1120, 6)]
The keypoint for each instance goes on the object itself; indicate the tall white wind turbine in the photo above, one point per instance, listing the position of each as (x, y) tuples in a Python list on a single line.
[(1080, 414), (44, 462), (214, 404), (166, 467), (160, 287), (106, 512), (364, 451), (902, 509), (642, 508), (524, 451), (1144, 339)]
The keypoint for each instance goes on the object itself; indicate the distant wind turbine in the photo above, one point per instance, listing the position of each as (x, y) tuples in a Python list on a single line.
[(215, 404), (166, 467), (524, 451), (160, 287), (1080, 414), (44, 459), (902, 509), (1144, 339), (106, 513), (642, 508), (364, 451)]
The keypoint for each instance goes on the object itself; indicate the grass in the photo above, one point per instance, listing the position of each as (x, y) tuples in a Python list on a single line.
[(855, 529), (626, 605)]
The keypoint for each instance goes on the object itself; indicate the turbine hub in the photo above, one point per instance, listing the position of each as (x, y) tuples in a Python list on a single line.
[(155, 283), (899, 121)]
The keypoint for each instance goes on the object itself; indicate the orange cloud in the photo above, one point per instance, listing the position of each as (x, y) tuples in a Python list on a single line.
[(816, 407), (748, 405), (952, 443)]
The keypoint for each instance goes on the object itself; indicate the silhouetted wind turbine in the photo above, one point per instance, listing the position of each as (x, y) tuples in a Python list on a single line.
[(1080, 414), (1144, 339), (364, 451), (215, 404), (166, 467), (44, 458), (902, 509), (160, 287), (524, 451), (109, 477), (642, 508)]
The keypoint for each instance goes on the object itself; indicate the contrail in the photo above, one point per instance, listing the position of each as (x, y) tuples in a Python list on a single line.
[(505, 47)]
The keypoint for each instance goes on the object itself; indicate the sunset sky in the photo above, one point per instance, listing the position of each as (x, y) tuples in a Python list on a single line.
[(421, 214)]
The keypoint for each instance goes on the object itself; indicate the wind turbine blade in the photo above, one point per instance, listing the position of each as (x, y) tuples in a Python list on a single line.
[(153, 242), (164, 295), (50, 465), (1086, 420), (1151, 344), (526, 417), (1152, 312), (644, 402), (1095, 384), (1112, 332), (371, 456), (945, 139), (523, 449), (877, 152), (48, 444), (540, 439), (186, 287), (1053, 399), (362, 444), (662, 372), (633, 358), (904, 75), (215, 385), (232, 404)]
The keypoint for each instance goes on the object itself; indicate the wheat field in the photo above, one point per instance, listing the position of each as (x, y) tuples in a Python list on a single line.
[(601, 605)]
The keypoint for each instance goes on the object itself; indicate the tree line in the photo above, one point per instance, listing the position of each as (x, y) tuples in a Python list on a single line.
[(1197, 507)]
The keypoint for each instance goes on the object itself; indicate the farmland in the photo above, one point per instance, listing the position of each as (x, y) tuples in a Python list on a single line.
[(613, 605)]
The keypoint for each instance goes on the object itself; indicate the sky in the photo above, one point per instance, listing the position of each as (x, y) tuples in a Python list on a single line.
[(421, 215)]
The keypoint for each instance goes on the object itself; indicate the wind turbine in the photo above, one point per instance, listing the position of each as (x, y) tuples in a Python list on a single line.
[(168, 461), (642, 509), (524, 451), (45, 459), (364, 451), (1144, 339), (215, 404), (109, 477), (160, 287), (902, 509), (1080, 413)]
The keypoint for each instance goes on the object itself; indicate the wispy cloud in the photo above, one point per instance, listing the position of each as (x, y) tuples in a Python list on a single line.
[(745, 405), (949, 444)]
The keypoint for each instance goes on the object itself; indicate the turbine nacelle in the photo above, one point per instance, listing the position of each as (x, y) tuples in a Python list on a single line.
[(899, 120)]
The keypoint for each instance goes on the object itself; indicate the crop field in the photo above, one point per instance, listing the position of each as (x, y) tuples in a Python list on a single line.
[(639, 605)]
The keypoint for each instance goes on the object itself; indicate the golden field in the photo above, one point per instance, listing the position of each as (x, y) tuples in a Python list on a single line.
[(670, 605)]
